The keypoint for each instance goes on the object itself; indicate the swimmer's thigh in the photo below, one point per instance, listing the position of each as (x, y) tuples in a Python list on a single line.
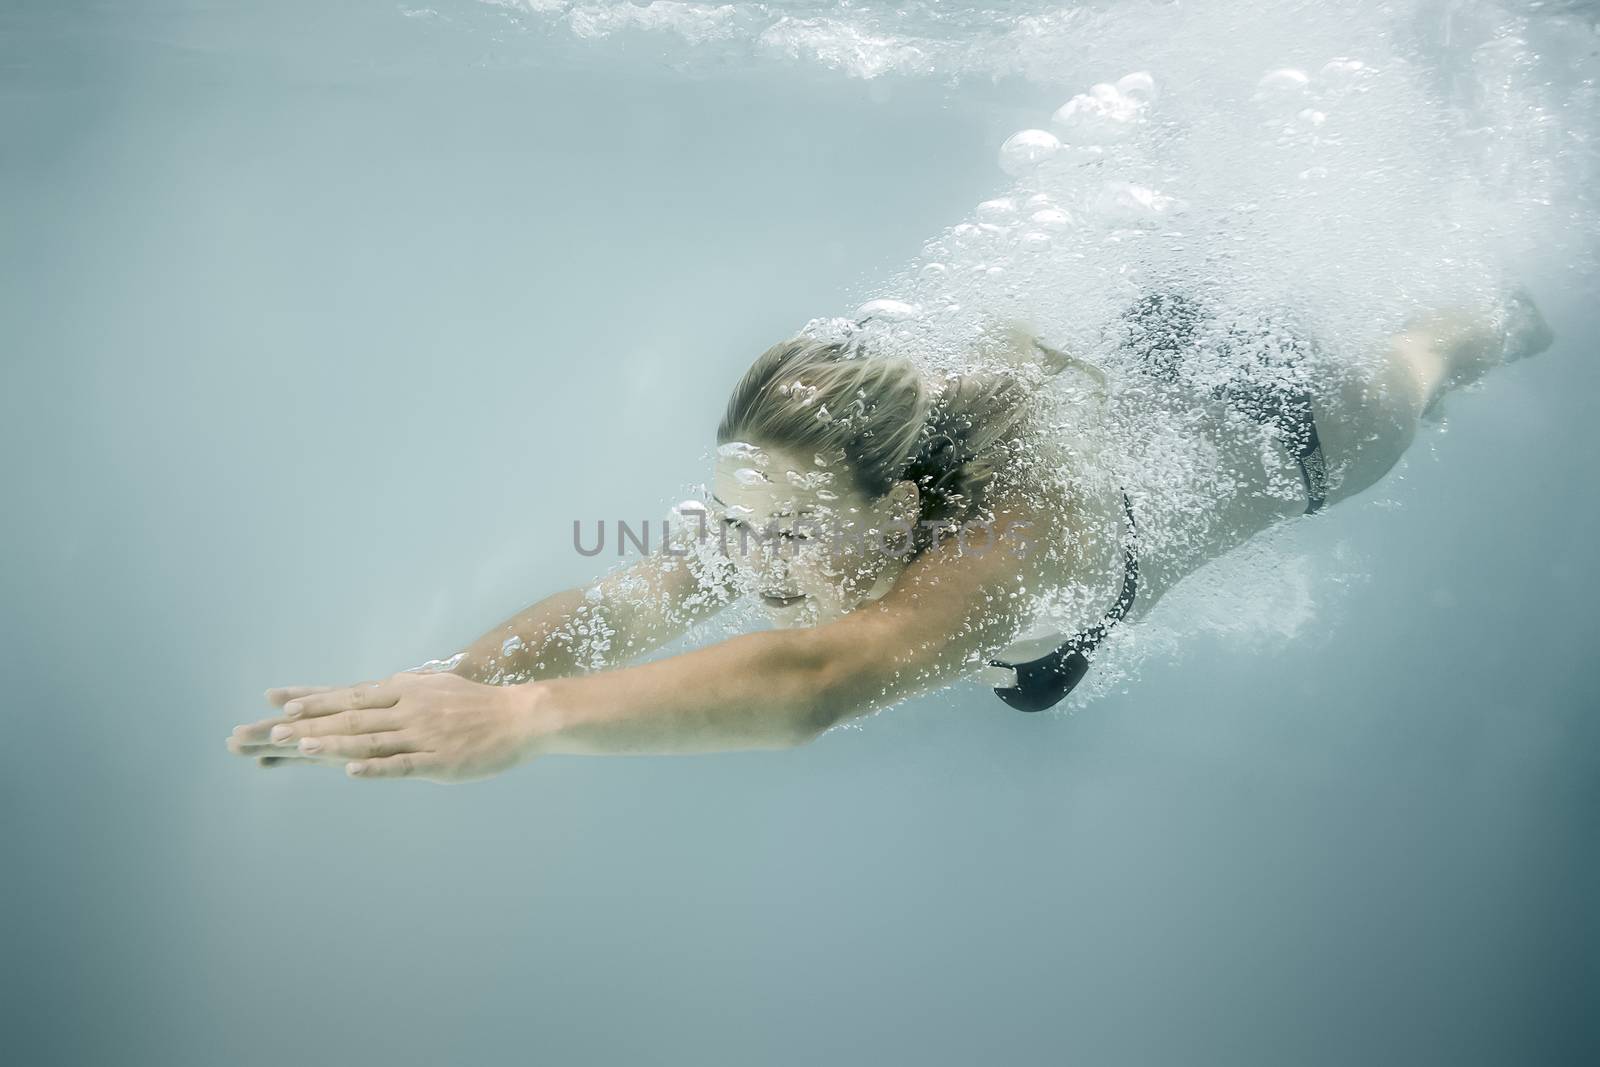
[(1366, 421)]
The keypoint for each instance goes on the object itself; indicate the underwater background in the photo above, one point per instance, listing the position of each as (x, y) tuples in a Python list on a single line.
[(324, 322)]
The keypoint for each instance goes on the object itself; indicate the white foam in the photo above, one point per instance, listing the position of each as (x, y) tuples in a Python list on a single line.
[(1345, 165)]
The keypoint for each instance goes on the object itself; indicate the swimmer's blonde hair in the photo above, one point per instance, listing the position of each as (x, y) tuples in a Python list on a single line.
[(886, 420)]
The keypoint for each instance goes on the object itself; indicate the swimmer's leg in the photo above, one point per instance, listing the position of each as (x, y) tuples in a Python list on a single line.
[(1370, 423), (1444, 350)]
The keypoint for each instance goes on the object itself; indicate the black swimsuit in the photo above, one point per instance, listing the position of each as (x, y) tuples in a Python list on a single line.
[(1159, 329)]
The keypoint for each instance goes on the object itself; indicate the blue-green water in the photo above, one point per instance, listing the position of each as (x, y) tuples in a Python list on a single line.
[(304, 310)]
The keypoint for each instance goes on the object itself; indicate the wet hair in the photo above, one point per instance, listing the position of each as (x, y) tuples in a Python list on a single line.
[(888, 421)]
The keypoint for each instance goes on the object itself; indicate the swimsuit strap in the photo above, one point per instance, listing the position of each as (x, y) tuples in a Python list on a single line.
[(1042, 682), (1313, 465), (1289, 412)]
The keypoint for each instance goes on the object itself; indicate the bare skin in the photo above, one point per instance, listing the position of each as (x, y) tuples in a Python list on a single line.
[(856, 631), (771, 689)]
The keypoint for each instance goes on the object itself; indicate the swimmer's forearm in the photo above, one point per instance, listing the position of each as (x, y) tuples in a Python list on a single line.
[(765, 690), (621, 616), (527, 645)]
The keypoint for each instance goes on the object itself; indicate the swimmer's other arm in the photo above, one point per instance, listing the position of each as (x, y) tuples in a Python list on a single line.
[(782, 688), (604, 624)]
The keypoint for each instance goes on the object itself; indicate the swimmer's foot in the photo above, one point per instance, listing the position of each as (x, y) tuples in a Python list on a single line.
[(1465, 347), (1526, 331)]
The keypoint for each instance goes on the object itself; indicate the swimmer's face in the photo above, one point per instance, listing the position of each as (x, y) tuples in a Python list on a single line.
[(803, 536)]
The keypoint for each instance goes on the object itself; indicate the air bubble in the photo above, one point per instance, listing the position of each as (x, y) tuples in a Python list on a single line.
[(1104, 113), (966, 233), (1139, 85), (1051, 219), (1342, 73), (1001, 209), (991, 236), (1026, 149), (891, 310), (1282, 88), (1125, 202)]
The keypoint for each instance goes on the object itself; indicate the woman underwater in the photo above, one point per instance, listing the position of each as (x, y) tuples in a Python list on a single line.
[(904, 530)]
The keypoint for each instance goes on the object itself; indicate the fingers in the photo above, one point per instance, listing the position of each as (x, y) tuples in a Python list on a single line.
[(248, 736), (281, 696), (359, 747), (268, 754), (324, 725), (254, 733), (332, 701), (402, 765), (385, 754), (269, 762), (344, 723), (272, 752)]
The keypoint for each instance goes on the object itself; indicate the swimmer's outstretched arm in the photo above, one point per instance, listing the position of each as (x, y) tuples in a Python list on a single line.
[(604, 624), (773, 689)]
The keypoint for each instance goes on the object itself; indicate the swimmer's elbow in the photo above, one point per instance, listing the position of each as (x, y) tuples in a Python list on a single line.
[(847, 678), (810, 725), (826, 689), (798, 685)]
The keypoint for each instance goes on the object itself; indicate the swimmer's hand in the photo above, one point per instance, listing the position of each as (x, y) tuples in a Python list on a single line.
[(438, 726), (253, 740)]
